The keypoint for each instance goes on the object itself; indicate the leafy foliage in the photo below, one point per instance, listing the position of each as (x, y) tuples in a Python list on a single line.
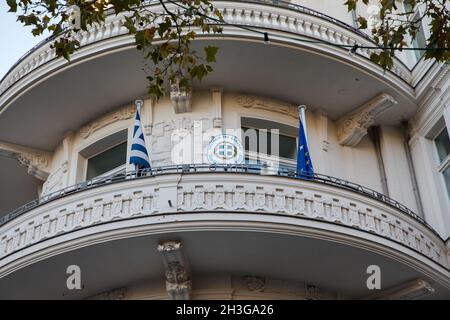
[(164, 36), (397, 27)]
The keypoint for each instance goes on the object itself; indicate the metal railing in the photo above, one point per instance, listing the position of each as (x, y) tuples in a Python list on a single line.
[(257, 169)]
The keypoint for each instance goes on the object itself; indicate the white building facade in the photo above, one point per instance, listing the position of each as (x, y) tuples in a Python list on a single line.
[(379, 143)]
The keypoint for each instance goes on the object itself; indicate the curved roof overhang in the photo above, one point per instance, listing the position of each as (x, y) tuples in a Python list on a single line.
[(107, 72)]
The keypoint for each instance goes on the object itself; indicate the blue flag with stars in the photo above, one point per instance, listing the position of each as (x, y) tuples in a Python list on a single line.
[(304, 164)]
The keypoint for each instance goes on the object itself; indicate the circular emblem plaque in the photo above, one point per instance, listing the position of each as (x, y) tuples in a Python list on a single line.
[(225, 149)]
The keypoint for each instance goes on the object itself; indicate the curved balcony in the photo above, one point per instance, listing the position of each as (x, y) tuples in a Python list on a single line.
[(216, 198), (284, 17)]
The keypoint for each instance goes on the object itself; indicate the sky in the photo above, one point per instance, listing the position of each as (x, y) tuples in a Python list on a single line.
[(15, 39)]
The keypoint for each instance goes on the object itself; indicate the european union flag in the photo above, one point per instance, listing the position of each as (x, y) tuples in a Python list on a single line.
[(304, 164)]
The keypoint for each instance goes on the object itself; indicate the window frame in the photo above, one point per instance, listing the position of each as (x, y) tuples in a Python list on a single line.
[(264, 156), (444, 164), (112, 172)]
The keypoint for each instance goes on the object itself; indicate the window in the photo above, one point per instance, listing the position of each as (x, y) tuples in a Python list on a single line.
[(420, 40), (107, 161), (442, 142), (258, 138), (287, 144)]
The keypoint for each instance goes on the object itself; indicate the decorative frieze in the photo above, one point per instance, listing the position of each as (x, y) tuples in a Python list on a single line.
[(352, 127), (122, 114), (256, 286), (215, 192), (247, 101)]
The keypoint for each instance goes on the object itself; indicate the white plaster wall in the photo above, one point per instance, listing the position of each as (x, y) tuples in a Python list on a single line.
[(396, 166), (357, 164), (433, 108)]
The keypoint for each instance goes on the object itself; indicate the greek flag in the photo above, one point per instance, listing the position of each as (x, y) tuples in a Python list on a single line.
[(139, 155), (304, 164)]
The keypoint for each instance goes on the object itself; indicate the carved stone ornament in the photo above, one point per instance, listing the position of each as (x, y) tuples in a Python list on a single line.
[(36, 164), (353, 126), (122, 114), (181, 99), (411, 290), (246, 101), (256, 284), (178, 283), (169, 246)]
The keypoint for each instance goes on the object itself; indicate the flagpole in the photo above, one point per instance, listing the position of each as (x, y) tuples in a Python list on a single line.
[(301, 114)]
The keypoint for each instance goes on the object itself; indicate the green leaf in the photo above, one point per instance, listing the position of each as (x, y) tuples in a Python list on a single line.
[(351, 5), (362, 22), (12, 5), (210, 52)]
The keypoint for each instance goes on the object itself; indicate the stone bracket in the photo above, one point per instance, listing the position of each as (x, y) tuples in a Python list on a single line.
[(178, 276), (352, 127), (411, 290), (37, 162)]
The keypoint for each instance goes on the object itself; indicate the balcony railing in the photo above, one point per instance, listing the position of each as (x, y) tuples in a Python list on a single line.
[(257, 169)]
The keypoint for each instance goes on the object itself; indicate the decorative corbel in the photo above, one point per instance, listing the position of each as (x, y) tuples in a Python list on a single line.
[(353, 126), (412, 290), (178, 277), (181, 98), (36, 162)]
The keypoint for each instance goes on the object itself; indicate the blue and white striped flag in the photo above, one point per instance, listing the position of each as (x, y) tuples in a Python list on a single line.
[(139, 155)]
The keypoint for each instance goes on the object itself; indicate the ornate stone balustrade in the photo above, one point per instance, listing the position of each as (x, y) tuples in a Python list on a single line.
[(300, 24), (267, 197)]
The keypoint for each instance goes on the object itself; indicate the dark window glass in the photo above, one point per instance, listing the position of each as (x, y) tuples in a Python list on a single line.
[(107, 161), (443, 144), (287, 144)]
